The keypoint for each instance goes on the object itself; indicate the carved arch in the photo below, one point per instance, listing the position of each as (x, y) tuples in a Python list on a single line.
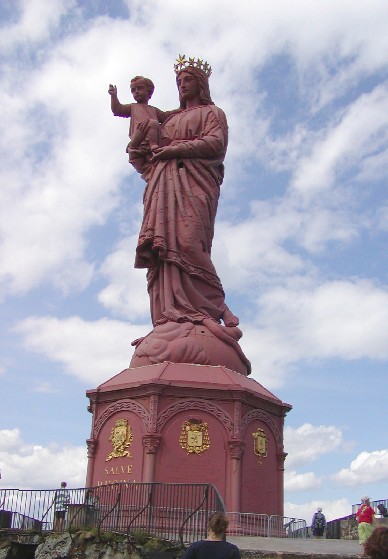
[(172, 410), (267, 419), (134, 407)]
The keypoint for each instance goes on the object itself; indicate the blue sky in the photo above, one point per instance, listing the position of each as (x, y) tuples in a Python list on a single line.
[(301, 231)]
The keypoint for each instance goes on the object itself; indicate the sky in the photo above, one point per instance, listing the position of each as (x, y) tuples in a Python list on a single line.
[(301, 232)]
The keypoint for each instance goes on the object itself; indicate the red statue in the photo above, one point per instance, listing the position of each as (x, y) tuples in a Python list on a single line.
[(183, 168)]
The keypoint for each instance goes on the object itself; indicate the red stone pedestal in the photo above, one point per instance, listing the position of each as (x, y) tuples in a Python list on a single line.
[(182, 423)]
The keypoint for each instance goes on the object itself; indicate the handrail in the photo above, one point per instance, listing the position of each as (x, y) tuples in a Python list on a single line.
[(45, 514), (192, 514), (140, 512), (82, 506), (109, 512)]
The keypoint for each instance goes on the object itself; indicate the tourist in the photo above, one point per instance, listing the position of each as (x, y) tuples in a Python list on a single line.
[(61, 500), (366, 519), (318, 523), (214, 546)]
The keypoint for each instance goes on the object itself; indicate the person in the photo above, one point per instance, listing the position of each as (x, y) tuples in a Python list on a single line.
[(318, 523), (376, 545), (366, 520), (214, 546), (61, 500), (382, 510), (183, 179), (90, 499), (142, 139)]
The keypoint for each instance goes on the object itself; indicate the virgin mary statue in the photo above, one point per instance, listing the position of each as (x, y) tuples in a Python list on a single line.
[(183, 176)]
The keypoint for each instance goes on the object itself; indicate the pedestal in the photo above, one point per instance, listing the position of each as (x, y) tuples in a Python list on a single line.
[(183, 423)]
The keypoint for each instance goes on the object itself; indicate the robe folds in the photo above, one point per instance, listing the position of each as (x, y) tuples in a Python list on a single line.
[(180, 206)]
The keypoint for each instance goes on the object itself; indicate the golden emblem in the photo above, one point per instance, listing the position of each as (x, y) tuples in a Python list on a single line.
[(260, 442), (121, 438), (194, 436)]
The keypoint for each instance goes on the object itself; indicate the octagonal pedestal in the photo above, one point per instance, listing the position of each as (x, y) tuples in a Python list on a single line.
[(184, 423)]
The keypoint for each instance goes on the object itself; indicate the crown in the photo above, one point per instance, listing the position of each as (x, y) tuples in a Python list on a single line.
[(182, 62)]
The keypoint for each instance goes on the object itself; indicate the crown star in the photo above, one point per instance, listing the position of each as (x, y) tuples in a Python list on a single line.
[(182, 62)]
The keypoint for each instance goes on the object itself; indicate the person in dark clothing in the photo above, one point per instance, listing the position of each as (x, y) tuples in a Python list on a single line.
[(215, 546), (318, 523), (382, 510)]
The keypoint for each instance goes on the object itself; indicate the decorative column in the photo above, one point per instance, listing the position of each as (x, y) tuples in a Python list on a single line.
[(91, 446), (236, 449), (281, 456), (150, 443)]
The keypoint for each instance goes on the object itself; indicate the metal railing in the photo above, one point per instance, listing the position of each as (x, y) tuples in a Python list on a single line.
[(373, 504), (168, 511), (175, 512), (264, 525)]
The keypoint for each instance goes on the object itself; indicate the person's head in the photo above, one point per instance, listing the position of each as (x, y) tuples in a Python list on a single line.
[(63, 484), (319, 509), (376, 545), (142, 89), (365, 500), (218, 524), (201, 82)]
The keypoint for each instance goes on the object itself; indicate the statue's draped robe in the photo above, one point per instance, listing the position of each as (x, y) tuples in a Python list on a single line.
[(180, 205)]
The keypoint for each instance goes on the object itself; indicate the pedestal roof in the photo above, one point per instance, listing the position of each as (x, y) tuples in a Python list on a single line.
[(186, 375)]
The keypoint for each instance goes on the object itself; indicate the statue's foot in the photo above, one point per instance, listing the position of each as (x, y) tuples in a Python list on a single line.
[(230, 319), (233, 332)]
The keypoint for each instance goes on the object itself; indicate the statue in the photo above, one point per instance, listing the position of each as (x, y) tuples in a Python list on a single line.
[(183, 168), (141, 142)]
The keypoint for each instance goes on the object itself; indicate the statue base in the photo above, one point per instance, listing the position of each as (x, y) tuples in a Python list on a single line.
[(186, 423), (208, 343)]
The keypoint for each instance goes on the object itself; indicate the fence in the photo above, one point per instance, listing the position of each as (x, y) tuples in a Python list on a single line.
[(169, 511), (272, 526), (374, 504)]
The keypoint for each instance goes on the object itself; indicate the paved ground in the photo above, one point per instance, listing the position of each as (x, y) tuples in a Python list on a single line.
[(307, 546)]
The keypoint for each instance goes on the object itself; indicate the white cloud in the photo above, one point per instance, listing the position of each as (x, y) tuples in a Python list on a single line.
[(308, 442), (126, 294), (36, 19), (90, 351), (302, 321), (366, 468), (361, 133), (32, 466), (265, 246), (340, 319), (301, 482)]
